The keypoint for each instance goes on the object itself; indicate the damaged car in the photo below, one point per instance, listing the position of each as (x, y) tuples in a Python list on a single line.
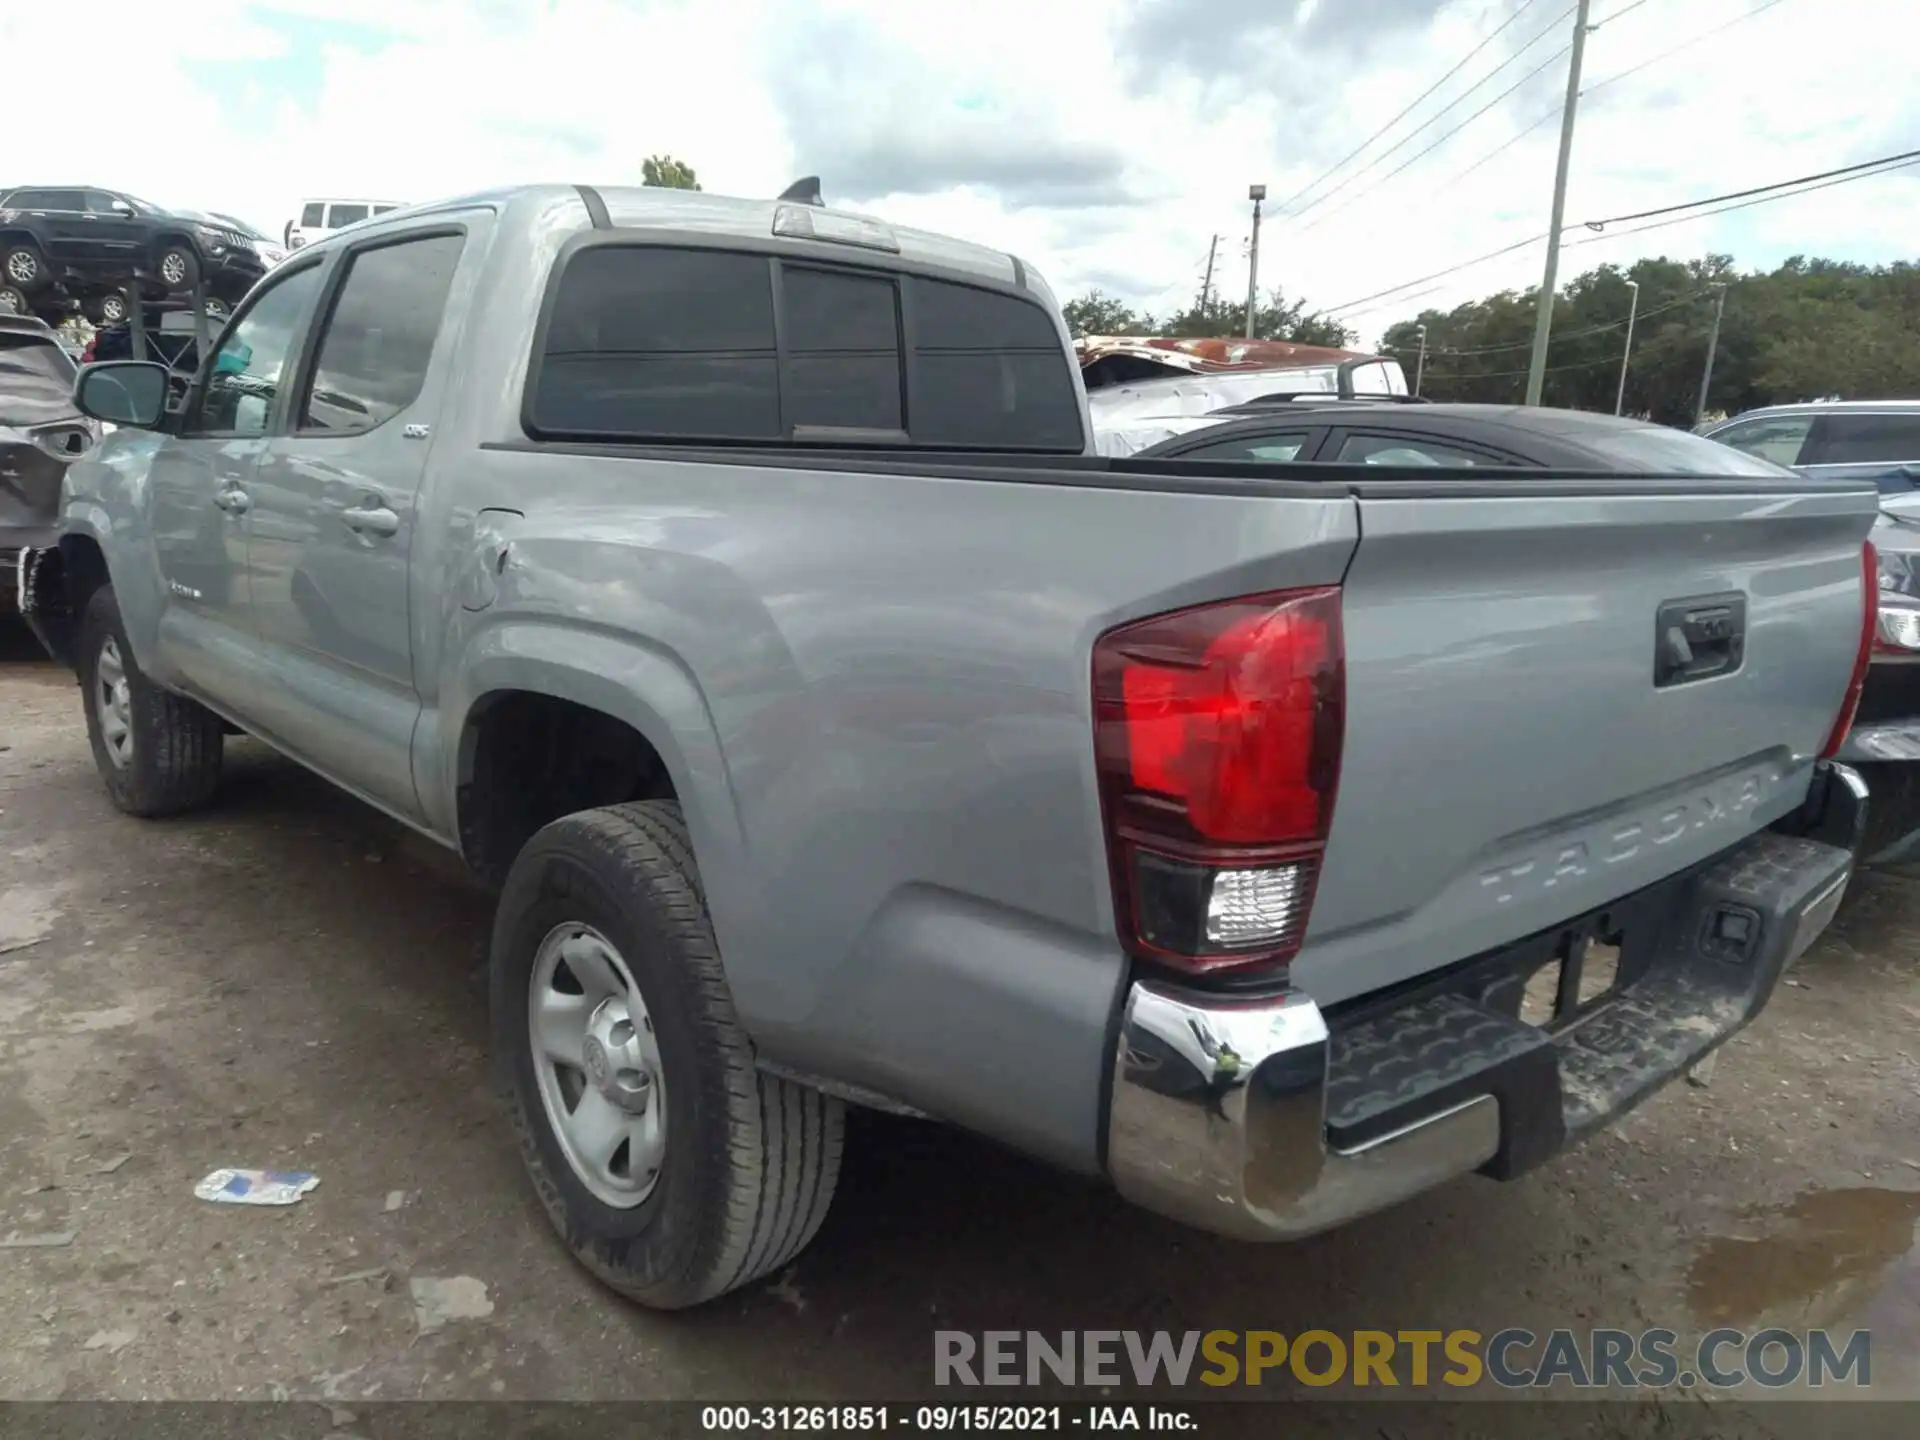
[(41, 433), (1142, 390)]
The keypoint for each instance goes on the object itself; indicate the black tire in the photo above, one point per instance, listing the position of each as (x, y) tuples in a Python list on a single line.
[(176, 751), (25, 269), (751, 1160), (108, 309), (177, 268), (13, 301), (218, 309)]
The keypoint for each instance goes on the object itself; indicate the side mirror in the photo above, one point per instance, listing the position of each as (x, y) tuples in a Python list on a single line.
[(123, 392)]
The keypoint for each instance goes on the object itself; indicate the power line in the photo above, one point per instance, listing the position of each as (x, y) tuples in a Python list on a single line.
[(1311, 205), (1464, 62), (1684, 44), (1626, 9), (1356, 199), (1554, 113), (1756, 190), (1846, 179), (1443, 378), (1862, 171), (1438, 274)]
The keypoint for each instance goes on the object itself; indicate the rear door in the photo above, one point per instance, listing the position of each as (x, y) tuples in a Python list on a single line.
[(60, 216), (333, 520)]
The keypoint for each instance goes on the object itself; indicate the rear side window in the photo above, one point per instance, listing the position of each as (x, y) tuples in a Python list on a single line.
[(346, 215), (1778, 439), (376, 344), (313, 216), (1410, 450), (1866, 440), (1279, 447), (648, 343)]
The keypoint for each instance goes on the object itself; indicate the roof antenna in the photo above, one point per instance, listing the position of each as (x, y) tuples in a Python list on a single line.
[(804, 191)]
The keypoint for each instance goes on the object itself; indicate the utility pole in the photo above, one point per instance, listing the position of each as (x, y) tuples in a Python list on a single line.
[(1420, 365), (1206, 285), (1633, 309), (1543, 320), (1713, 344), (1257, 193)]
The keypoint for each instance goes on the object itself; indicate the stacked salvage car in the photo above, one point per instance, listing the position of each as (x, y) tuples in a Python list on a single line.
[(78, 248)]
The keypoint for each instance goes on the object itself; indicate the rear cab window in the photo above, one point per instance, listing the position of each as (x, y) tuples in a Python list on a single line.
[(1389, 449), (662, 344)]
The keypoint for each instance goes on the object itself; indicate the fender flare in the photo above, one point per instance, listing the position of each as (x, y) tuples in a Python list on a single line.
[(643, 685)]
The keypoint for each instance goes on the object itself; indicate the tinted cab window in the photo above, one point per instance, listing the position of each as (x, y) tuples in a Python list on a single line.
[(650, 343), (254, 359), (346, 215), (1411, 450), (379, 337)]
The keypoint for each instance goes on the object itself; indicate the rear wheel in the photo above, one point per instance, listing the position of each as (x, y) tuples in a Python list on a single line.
[(108, 309), (158, 752), (671, 1166), (24, 269)]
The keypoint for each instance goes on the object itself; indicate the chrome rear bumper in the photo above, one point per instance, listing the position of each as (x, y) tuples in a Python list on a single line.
[(1219, 1121), (1249, 1117)]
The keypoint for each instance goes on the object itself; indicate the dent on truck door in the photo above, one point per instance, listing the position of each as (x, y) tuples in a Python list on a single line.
[(200, 490), (334, 521)]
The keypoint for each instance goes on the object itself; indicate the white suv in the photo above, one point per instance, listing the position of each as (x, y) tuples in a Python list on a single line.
[(318, 218)]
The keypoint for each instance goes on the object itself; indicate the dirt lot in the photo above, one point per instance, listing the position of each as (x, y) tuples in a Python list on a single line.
[(291, 981)]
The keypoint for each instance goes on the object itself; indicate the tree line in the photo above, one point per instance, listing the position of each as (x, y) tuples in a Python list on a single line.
[(1807, 330)]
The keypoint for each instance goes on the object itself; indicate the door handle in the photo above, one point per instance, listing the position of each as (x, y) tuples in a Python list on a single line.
[(234, 501), (371, 520)]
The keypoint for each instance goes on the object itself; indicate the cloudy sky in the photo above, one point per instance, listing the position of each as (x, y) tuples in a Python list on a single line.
[(1105, 141)]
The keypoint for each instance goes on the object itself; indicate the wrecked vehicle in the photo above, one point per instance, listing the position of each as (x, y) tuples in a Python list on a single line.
[(41, 433), (1142, 390), (731, 584)]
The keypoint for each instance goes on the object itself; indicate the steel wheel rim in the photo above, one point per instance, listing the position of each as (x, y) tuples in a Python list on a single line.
[(22, 267), (173, 269), (114, 309), (113, 704), (597, 1064)]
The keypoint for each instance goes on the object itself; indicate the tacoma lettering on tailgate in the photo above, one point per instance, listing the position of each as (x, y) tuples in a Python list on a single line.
[(1724, 804)]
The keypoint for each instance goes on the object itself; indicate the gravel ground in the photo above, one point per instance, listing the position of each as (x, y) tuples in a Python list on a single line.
[(291, 981)]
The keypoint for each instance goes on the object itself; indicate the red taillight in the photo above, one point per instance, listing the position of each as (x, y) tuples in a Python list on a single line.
[(1217, 736), (1863, 656)]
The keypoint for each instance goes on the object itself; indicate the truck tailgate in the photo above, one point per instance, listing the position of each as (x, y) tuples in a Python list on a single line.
[(1510, 760)]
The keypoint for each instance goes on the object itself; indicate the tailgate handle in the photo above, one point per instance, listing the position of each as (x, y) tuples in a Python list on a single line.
[(1698, 638)]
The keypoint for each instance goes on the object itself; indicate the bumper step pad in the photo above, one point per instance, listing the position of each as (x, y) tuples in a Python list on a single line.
[(1696, 965)]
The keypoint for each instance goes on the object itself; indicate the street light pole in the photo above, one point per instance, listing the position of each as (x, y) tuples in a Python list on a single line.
[(1713, 344), (1633, 308), (1420, 365), (1543, 319), (1255, 193)]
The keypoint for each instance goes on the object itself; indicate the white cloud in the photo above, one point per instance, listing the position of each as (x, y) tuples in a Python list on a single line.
[(1105, 141)]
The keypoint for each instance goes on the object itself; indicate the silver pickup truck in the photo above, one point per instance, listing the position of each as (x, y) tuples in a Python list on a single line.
[(733, 585)]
